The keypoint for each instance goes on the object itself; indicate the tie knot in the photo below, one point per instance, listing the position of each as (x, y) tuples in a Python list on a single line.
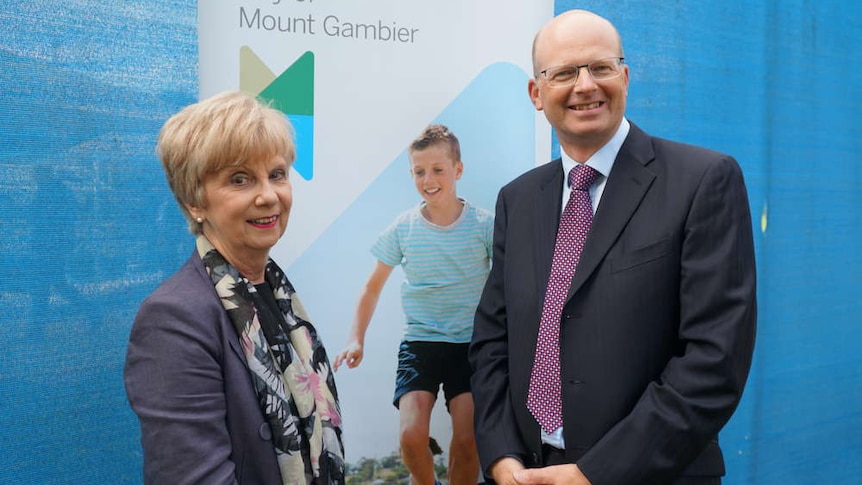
[(582, 177)]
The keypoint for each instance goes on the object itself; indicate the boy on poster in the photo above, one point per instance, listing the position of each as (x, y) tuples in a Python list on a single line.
[(444, 248)]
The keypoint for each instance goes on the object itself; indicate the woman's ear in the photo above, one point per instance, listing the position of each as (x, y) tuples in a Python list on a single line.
[(197, 213)]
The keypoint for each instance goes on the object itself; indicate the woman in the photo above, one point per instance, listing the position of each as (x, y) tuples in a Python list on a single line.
[(224, 370)]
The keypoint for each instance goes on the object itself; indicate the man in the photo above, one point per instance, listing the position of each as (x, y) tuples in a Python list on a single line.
[(652, 333)]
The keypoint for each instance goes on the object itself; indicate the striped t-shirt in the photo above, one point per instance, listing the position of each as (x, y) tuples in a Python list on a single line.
[(446, 268)]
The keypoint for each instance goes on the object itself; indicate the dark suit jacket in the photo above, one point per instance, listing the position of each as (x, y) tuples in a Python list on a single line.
[(188, 382), (657, 333)]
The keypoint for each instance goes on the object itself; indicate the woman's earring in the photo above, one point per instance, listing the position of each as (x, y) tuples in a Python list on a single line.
[(200, 220)]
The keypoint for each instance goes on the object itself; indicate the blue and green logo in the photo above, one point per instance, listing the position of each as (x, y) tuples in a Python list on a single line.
[(292, 93)]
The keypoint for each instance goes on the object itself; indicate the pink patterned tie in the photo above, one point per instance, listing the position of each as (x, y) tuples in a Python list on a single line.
[(543, 398)]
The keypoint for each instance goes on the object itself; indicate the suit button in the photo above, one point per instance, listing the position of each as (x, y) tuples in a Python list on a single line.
[(265, 432), (535, 457)]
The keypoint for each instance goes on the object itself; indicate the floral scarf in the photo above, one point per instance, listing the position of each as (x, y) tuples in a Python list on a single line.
[(292, 376)]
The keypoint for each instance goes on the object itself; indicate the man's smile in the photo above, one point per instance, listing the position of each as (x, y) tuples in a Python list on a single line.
[(584, 107)]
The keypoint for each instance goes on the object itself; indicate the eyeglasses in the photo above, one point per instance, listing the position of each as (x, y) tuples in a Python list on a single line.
[(600, 70)]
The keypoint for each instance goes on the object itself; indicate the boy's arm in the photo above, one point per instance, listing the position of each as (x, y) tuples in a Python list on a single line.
[(352, 354)]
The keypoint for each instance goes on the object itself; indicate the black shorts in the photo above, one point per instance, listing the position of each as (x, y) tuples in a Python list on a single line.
[(425, 366)]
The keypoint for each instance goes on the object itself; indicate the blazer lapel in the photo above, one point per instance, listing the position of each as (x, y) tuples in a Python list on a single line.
[(627, 184), (224, 320)]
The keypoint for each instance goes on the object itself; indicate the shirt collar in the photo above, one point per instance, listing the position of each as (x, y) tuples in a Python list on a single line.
[(603, 160)]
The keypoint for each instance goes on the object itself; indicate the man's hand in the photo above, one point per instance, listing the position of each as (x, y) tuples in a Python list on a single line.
[(503, 470), (556, 475)]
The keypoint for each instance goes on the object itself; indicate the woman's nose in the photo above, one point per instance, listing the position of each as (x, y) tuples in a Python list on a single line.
[(267, 194)]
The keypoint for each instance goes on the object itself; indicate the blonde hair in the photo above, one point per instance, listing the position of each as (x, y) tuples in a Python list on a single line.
[(226, 130)]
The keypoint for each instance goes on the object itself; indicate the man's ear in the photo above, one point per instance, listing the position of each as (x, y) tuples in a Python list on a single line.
[(626, 76), (533, 89)]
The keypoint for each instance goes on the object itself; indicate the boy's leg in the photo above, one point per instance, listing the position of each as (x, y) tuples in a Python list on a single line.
[(415, 416), (463, 457)]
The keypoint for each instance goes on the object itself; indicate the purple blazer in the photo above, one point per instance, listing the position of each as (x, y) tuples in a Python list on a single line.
[(187, 380)]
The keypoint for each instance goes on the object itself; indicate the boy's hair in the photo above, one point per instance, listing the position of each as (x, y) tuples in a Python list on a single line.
[(434, 134)]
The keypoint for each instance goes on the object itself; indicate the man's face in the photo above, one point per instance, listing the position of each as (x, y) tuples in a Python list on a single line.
[(585, 114)]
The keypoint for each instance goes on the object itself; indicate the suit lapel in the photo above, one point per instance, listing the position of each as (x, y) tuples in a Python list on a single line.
[(627, 184), (548, 206)]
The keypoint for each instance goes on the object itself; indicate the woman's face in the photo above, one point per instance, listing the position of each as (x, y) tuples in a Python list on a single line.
[(246, 210)]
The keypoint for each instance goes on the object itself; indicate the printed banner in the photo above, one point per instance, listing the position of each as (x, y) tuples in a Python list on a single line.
[(359, 81)]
